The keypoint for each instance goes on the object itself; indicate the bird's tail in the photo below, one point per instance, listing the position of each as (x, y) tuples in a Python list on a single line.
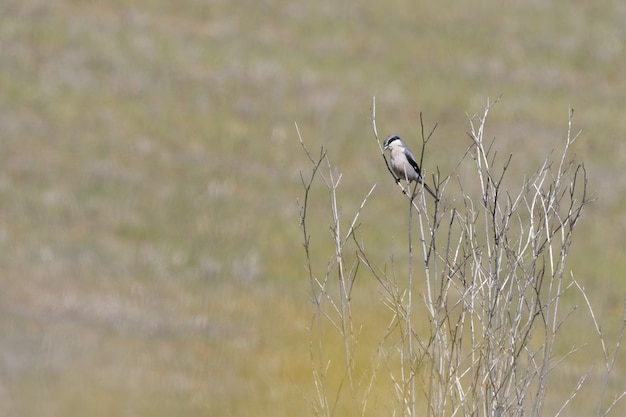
[(427, 188)]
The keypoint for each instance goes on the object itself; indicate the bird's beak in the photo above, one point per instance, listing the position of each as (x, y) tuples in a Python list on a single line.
[(385, 147)]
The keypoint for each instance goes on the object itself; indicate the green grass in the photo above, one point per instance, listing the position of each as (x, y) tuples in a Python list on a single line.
[(149, 242)]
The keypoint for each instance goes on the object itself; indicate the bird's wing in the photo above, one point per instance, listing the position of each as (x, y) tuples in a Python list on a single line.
[(411, 158)]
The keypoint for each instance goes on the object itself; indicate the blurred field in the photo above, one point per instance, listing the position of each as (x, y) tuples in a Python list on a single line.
[(150, 255)]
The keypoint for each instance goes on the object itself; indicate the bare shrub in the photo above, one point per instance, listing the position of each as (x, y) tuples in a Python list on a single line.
[(495, 274)]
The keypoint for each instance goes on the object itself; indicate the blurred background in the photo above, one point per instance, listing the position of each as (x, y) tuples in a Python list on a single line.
[(151, 259)]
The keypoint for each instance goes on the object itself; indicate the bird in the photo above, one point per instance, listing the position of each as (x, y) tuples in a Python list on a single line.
[(403, 162)]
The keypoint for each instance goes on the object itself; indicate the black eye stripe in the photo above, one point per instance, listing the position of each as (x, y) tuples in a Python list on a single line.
[(391, 139)]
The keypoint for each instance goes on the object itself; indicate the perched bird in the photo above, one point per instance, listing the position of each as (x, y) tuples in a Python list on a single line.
[(403, 162)]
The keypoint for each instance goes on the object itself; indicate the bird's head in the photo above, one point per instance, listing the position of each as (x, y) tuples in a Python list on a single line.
[(393, 141)]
